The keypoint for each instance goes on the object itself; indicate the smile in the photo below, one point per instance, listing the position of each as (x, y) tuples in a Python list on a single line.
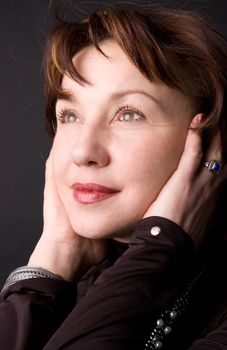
[(89, 193)]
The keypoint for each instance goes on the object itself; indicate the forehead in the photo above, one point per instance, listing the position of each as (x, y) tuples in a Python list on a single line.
[(114, 72)]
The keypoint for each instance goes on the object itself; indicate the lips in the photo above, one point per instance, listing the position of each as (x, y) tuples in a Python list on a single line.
[(88, 193)]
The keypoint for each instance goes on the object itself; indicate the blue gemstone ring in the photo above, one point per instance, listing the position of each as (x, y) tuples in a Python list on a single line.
[(214, 166)]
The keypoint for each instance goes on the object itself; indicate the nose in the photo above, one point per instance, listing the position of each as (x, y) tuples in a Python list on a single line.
[(90, 148)]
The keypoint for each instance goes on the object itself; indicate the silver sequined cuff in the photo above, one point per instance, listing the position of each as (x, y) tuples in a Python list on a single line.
[(28, 272)]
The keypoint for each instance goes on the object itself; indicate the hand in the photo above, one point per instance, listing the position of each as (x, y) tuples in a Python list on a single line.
[(189, 197), (60, 250)]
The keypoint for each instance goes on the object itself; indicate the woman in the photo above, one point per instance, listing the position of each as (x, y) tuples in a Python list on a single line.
[(137, 107)]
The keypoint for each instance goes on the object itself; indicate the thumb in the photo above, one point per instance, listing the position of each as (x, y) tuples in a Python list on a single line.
[(52, 207)]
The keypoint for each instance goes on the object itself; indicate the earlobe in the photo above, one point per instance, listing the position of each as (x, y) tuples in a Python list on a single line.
[(197, 120)]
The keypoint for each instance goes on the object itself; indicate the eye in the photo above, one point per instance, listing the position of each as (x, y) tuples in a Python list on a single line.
[(129, 114), (67, 116)]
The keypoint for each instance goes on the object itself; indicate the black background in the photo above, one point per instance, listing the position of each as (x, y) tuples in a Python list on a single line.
[(24, 143)]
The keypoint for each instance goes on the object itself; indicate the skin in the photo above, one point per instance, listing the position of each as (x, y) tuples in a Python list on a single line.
[(135, 157), (157, 165)]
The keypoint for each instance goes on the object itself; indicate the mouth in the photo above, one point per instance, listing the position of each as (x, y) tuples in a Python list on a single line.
[(89, 193)]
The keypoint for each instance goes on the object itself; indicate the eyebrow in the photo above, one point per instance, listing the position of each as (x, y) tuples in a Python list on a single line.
[(115, 95), (118, 94)]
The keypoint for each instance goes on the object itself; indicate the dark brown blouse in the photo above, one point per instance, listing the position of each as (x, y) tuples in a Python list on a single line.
[(116, 305)]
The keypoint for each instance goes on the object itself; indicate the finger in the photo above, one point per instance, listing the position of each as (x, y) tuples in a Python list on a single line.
[(213, 182), (214, 153), (214, 150), (49, 169), (52, 204), (192, 155)]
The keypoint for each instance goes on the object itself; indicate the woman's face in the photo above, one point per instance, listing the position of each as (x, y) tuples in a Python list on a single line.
[(118, 141)]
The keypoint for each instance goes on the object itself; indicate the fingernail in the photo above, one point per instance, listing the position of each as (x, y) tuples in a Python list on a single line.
[(201, 118)]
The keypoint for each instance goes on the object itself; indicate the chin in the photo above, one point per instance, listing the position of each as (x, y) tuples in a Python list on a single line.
[(102, 230)]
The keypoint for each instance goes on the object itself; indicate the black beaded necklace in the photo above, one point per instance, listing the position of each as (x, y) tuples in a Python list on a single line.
[(171, 316)]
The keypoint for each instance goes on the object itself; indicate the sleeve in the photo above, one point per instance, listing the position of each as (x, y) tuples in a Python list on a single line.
[(31, 310), (216, 337), (121, 307)]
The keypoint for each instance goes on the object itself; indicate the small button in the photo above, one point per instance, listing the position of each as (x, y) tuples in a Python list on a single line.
[(155, 230)]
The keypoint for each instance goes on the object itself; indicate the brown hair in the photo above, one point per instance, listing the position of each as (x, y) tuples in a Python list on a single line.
[(179, 48)]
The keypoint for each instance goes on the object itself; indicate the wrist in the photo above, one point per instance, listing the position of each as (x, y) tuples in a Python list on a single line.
[(59, 258)]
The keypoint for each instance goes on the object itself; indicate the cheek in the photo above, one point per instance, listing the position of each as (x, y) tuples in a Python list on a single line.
[(150, 161)]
